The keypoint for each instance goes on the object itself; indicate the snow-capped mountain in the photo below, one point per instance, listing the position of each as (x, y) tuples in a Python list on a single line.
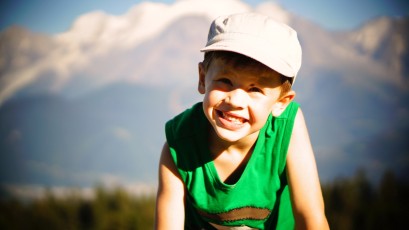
[(385, 40), (97, 37), (91, 103)]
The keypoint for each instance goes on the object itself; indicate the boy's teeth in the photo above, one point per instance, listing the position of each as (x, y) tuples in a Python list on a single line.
[(235, 120)]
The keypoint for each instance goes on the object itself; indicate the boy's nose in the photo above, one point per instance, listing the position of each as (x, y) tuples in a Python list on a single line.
[(237, 98)]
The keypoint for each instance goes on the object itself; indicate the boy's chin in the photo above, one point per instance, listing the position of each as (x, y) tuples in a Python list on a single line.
[(230, 136)]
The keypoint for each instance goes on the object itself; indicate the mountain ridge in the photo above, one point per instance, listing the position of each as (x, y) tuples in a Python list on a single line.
[(75, 54)]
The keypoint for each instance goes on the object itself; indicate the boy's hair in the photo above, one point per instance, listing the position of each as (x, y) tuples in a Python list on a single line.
[(241, 61)]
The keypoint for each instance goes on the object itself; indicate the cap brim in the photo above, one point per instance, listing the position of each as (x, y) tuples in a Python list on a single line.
[(255, 52)]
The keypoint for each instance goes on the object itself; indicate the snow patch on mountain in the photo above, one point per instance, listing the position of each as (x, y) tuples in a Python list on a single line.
[(142, 22), (385, 42), (369, 38)]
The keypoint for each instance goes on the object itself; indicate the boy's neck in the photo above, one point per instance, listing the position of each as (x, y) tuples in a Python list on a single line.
[(230, 159), (242, 146)]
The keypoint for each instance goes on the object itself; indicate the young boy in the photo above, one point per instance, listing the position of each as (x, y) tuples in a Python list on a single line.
[(242, 158)]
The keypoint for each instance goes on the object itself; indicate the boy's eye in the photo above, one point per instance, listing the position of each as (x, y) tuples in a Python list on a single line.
[(255, 90), (225, 81)]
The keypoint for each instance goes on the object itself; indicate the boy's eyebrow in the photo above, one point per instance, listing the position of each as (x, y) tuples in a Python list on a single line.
[(265, 79)]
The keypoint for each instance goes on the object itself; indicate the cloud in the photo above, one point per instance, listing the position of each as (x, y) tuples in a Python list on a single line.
[(54, 172), (32, 192), (38, 192), (122, 134), (275, 11)]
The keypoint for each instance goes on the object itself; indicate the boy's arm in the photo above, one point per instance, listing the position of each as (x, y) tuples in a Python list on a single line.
[(302, 174), (170, 209)]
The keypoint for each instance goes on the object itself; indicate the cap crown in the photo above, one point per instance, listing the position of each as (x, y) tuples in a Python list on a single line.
[(259, 37)]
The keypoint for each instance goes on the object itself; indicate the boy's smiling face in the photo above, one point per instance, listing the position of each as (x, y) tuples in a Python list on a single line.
[(238, 102)]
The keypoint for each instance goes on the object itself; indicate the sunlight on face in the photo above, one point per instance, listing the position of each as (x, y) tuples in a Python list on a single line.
[(237, 102)]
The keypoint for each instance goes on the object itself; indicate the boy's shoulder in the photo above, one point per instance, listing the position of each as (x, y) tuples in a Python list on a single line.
[(185, 124)]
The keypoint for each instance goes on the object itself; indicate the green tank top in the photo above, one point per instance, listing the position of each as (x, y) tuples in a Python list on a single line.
[(260, 198)]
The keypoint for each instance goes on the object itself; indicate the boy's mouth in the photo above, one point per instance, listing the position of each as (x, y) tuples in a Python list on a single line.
[(231, 118)]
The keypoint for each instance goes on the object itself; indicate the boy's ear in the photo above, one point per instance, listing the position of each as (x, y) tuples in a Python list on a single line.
[(201, 85), (281, 104)]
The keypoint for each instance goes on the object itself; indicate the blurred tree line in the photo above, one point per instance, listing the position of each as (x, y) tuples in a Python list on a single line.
[(351, 203), (108, 210), (355, 203)]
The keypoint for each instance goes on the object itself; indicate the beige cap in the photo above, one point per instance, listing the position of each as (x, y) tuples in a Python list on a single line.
[(259, 37)]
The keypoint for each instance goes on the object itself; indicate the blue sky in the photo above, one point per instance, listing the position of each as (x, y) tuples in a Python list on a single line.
[(54, 16)]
